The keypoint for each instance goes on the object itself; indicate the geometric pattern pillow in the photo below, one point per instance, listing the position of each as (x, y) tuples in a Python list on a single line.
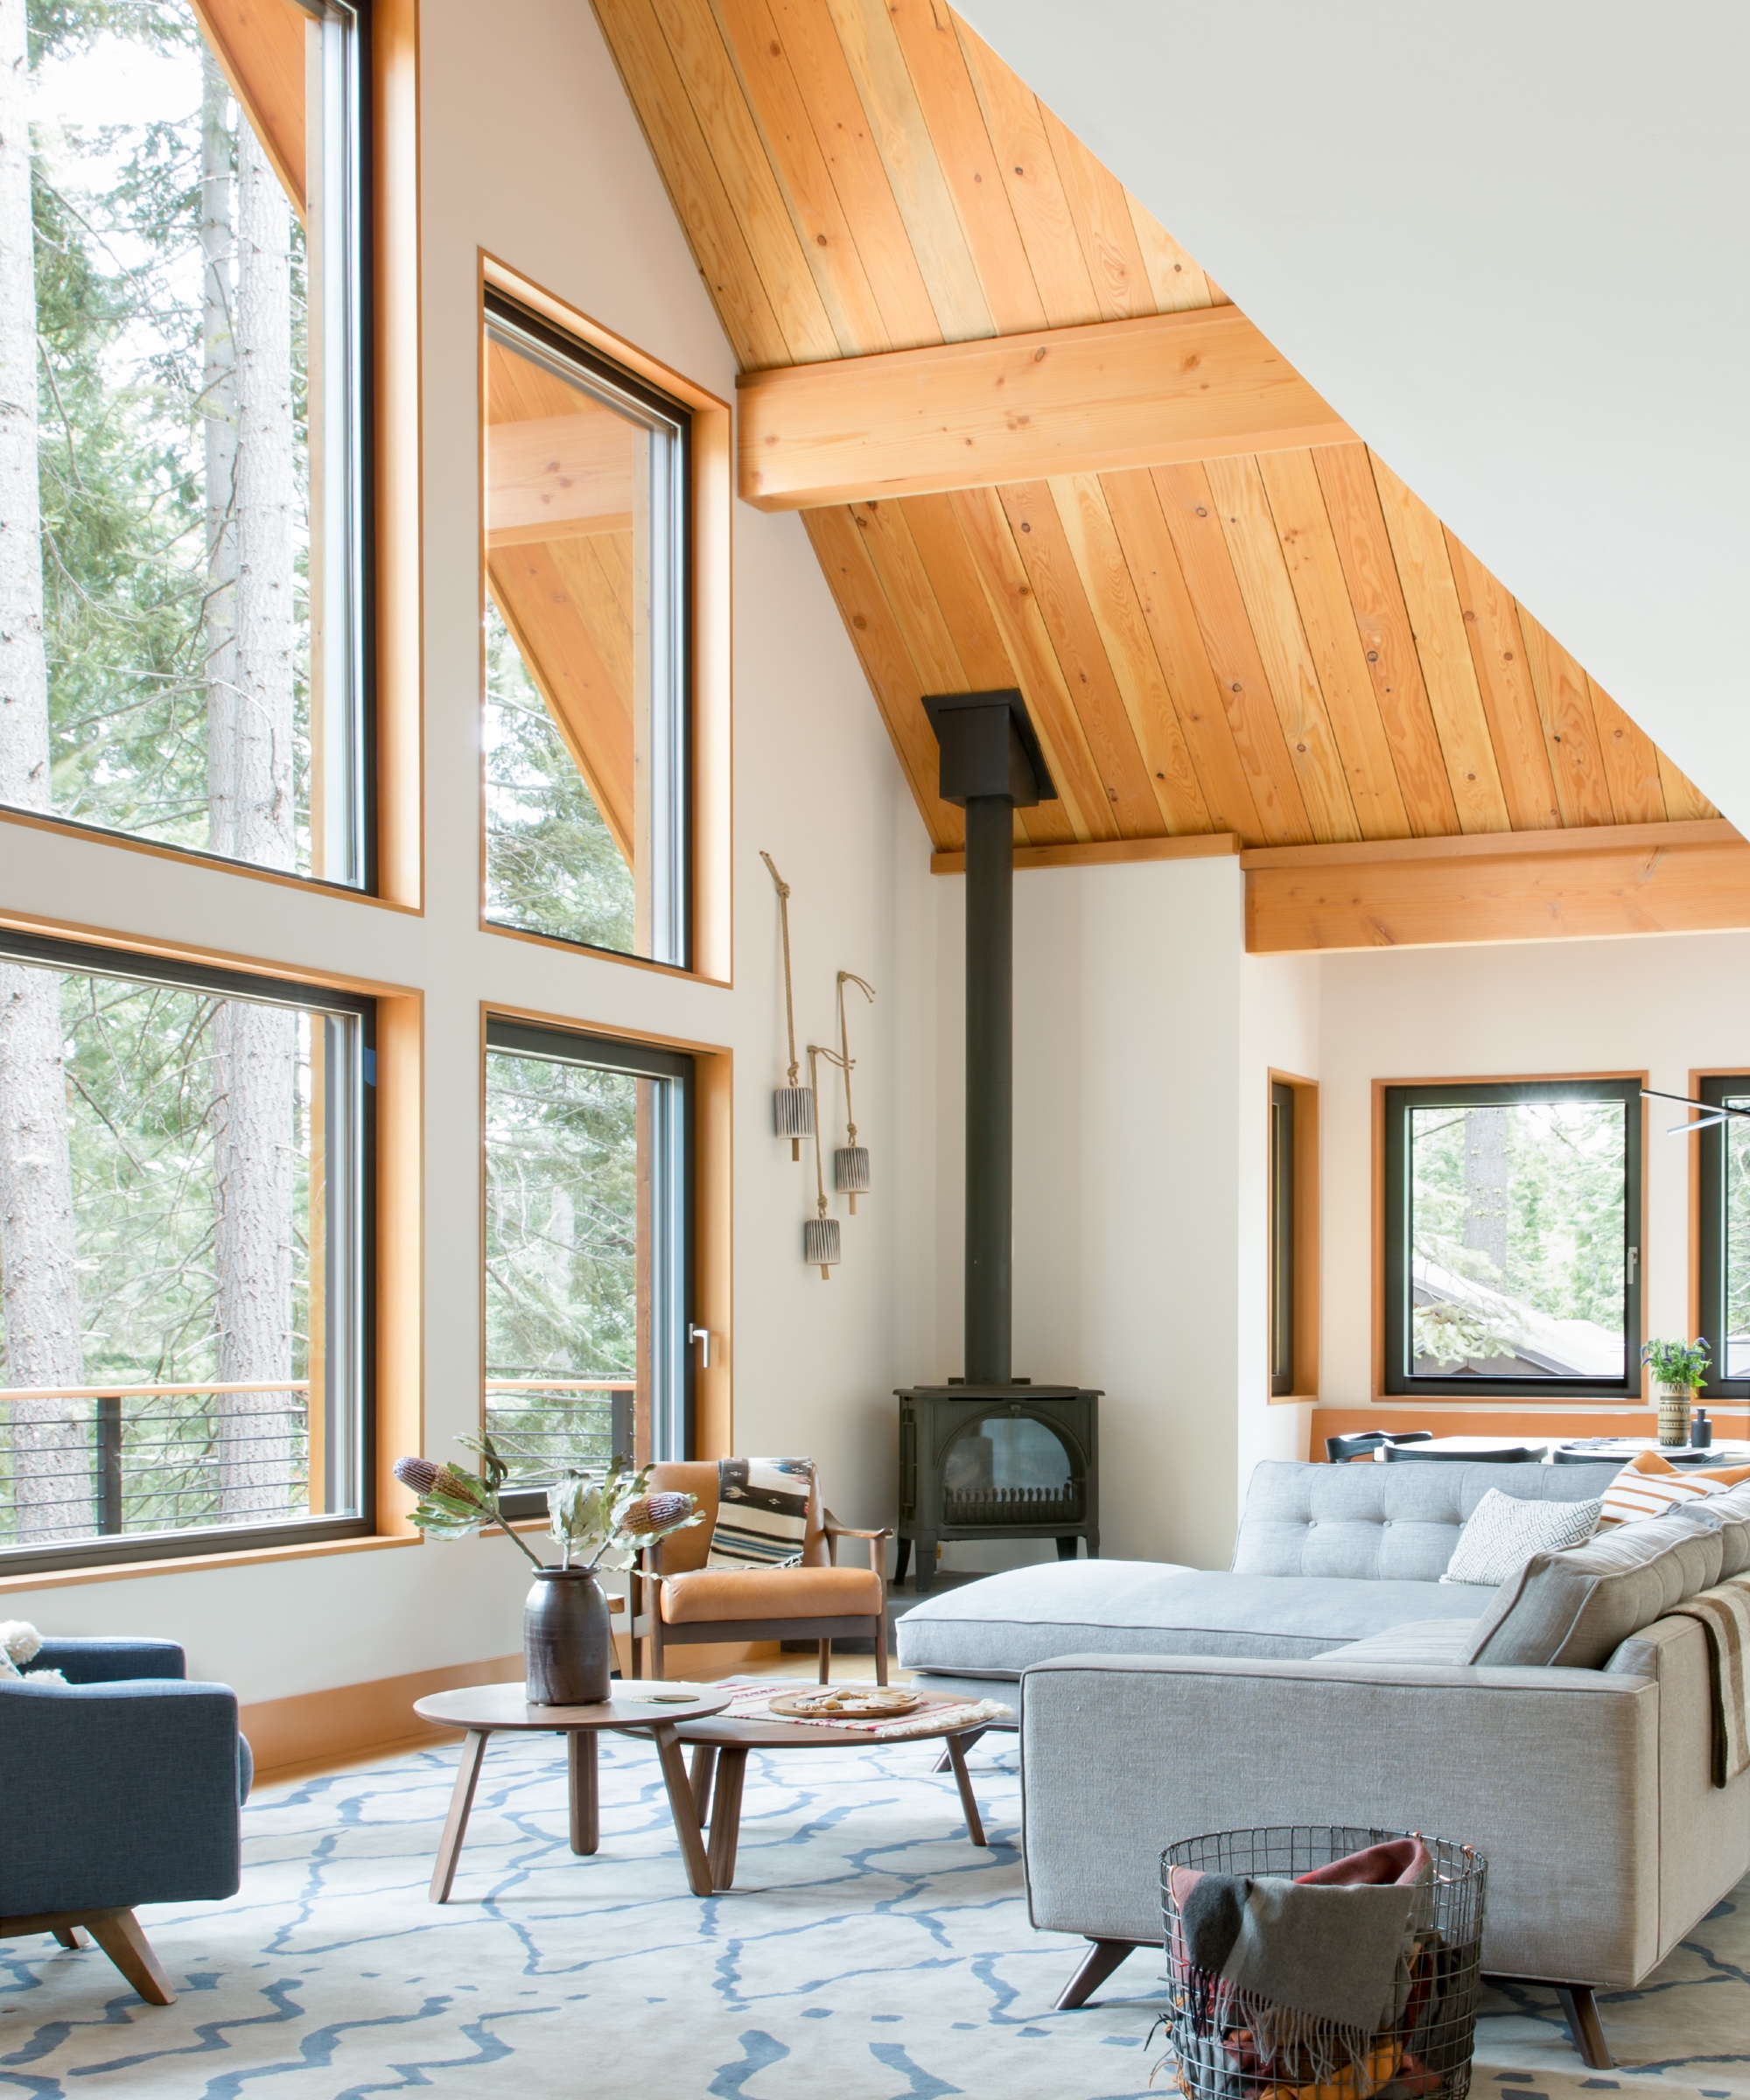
[(1648, 1486), (1503, 1532)]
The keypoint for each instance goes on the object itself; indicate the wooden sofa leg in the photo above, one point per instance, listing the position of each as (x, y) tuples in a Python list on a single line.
[(826, 1662), (1580, 2009), (1102, 1958), (69, 1937), (121, 1939)]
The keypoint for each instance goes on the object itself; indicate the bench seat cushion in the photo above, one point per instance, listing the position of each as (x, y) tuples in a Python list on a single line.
[(998, 1628)]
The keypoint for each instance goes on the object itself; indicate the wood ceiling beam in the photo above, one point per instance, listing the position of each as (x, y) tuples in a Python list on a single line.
[(1590, 883), (1160, 391)]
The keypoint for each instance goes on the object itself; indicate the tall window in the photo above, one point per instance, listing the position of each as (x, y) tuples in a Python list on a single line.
[(585, 703), (1512, 1238), (184, 1159), (182, 498), (588, 1231), (1723, 1245)]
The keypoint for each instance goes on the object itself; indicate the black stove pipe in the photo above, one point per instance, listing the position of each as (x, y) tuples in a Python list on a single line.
[(992, 765)]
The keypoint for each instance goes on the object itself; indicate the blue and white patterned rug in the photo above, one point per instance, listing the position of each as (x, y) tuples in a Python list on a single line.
[(867, 1952)]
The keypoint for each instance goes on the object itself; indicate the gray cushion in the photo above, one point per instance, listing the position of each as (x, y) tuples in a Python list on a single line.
[(1383, 1524), (1574, 1608), (1440, 1641), (1730, 1512), (999, 1627)]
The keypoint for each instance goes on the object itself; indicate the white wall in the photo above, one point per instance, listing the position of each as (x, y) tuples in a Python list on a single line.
[(1142, 1039), (1481, 233), (531, 150), (1659, 1004)]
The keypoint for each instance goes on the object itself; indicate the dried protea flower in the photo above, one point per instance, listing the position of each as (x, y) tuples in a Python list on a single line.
[(652, 1514), (420, 1474)]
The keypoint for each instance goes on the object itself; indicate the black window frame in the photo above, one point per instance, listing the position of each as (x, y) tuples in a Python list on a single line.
[(1396, 1379), (499, 307), (1284, 1252), (559, 1045), (361, 416), (224, 1540), (1711, 1236)]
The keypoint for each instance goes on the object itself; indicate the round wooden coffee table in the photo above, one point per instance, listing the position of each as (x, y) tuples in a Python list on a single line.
[(637, 1707), (720, 1748)]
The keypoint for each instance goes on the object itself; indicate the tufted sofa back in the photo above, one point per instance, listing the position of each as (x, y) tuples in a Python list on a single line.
[(1383, 1524)]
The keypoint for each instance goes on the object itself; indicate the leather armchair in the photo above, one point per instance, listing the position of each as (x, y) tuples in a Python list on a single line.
[(122, 1786), (817, 1601)]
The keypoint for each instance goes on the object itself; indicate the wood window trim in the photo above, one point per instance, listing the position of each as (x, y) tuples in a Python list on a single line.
[(1305, 1228), (398, 1422), (712, 477), (1719, 1403), (713, 1208), (254, 66), (1578, 1405)]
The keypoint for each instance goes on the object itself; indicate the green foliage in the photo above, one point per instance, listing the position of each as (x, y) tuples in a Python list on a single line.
[(552, 866), (1680, 1364), (119, 451)]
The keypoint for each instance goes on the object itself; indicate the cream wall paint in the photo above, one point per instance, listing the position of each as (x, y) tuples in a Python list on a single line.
[(1142, 1033), (531, 150), (1454, 223), (1659, 1004)]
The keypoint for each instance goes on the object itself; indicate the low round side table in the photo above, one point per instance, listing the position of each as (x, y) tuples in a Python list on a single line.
[(637, 1707), (720, 1748)]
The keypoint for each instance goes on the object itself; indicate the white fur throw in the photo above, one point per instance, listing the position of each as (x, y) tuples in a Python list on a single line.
[(18, 1642)]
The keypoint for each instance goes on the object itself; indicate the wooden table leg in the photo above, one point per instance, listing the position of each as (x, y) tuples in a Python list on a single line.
[(683, 1808), (580, 1763), (705, 1770), (456, 1822), (963, 1779), (726, 1826)]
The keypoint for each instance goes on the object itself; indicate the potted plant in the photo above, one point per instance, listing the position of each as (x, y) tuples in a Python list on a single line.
[(567, 1639), (1678, 1369)]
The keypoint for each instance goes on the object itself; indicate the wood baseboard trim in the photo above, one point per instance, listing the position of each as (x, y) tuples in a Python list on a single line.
[(318, 1731)]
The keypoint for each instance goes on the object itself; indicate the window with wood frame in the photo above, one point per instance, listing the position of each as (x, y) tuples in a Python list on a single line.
[(1512, 1220), (1722, 1249), (1293, 1237), (589, 1251), (182, 326), (185, 1223), (585, 702)]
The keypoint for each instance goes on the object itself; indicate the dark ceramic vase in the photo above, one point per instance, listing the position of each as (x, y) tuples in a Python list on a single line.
[(567, 1642)]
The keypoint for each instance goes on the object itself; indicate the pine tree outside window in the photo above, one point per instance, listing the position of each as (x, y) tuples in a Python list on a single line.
[(183, 1224), (1513, 1226), (183, 486)]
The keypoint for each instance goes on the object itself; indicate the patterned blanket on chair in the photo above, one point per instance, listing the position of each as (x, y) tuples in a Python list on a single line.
[(762, 1512)]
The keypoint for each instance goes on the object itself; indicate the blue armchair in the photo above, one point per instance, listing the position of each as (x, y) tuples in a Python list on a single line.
[(122, 1786)]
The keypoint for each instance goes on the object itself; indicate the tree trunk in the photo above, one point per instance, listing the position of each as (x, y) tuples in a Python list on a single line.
[(1486, 1186), (256, 1047), (219, 429), (38, 1253)]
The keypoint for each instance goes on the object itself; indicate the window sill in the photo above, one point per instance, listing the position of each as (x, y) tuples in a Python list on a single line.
[(126, 1571)]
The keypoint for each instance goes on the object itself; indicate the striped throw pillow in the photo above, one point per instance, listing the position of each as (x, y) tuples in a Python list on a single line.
[(1649, 1485)]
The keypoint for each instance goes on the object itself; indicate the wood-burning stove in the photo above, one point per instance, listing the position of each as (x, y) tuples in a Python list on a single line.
[(996, 1461), (992, 1456)]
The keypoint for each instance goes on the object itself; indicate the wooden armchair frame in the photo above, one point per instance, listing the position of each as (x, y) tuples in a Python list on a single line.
[(648, 1624)]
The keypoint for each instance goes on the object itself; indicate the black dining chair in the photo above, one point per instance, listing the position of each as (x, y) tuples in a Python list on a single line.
[(1493, 1454), (1339, 1450)]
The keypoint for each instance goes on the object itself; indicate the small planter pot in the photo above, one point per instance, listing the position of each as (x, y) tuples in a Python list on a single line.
[(1675, 1403), (567, 1639)]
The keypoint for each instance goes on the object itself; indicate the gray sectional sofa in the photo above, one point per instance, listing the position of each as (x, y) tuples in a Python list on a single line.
[(1325, 1678)]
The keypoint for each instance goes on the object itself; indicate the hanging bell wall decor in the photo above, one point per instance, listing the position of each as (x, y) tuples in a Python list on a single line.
[(820, 1234), (851, 1161), (793, 1106)]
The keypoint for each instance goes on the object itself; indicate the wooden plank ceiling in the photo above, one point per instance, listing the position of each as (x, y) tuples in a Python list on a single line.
[(1287, 646)]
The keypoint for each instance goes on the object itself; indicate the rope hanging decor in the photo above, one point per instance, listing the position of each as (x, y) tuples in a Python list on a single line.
[(820, 1235), (851, 1161), (792, 1107)]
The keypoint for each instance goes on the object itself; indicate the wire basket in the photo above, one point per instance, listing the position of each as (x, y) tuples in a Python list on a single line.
[(1425, 2053)]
